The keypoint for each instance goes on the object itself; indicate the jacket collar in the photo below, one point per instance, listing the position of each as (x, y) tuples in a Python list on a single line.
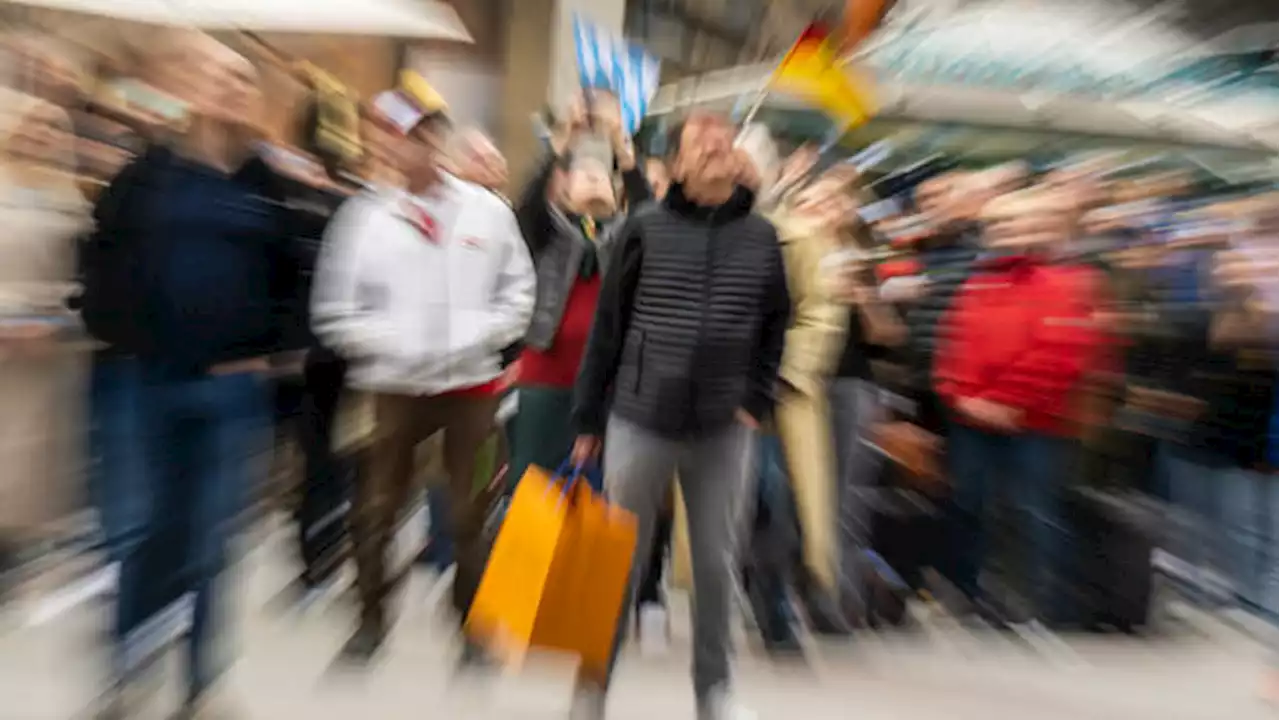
[(407, 206), (1019, 264), (737, 206)]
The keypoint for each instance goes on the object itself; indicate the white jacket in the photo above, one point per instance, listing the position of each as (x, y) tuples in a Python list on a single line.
[(417, 316)]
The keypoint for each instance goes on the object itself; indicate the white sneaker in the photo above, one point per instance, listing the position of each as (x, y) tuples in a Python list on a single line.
[(654, 630), (721, 705), (588, 704)]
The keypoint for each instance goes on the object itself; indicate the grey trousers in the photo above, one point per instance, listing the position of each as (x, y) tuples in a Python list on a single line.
[(714, 473), (855, 408)]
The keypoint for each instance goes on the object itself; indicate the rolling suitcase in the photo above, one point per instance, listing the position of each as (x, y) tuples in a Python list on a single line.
[(1109, 560), (906, 533)]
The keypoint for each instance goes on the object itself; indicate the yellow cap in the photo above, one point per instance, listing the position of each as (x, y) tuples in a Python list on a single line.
[(420, 92)]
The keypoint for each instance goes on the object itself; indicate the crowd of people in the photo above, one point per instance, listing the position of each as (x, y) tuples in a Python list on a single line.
[(748, 351)]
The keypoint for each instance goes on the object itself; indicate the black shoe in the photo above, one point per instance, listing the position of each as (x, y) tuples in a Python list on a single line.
[(782, 642), (10, 566), (363, 645), (201, 709), (824, 615), (473, 657), (777, 631), (434, 555), (991, 612), (426, 556)]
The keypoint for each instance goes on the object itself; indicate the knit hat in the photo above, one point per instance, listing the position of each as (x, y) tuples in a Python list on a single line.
[(412, 101)]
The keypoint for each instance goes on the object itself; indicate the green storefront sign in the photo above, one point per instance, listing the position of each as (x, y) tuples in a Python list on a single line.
[(913, 60)]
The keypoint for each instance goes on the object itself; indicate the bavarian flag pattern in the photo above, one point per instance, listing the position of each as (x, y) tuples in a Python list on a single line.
[(609, 62)]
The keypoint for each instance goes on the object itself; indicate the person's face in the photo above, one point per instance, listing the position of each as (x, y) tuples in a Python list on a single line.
[(589, 188), (420, 155), (42, 137), (374, 141), (1034, 229), (233, 84), (51, 78), (826, 204), (706, 158), (932, 199), (213, 80)]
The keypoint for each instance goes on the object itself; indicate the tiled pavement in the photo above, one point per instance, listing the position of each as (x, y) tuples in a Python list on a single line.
[(49, 670)]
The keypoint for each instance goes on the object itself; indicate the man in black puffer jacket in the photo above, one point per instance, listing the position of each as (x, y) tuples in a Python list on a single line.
[(687, 338)]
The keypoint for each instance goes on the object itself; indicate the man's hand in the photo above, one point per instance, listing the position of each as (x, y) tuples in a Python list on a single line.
[(568, 127), (747, 419), (797, 165), (990, 414), (609, 118), (509, 377), (624, 150), (252, 366), (849, 288), (585, 450), (576, 118), (32, 340)]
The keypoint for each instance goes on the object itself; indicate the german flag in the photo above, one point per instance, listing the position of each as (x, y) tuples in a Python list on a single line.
[(811, 71)]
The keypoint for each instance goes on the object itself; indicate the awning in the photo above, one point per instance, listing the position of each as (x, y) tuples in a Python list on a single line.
[(393, 18)]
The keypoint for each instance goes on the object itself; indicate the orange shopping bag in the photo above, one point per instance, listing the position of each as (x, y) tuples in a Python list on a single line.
[(591, 576), (558, 573)]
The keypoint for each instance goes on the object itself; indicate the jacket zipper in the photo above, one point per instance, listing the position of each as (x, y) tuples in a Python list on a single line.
[(705, 312), (635, 383)]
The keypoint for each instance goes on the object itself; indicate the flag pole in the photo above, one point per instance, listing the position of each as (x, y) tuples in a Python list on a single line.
[(761, 95)]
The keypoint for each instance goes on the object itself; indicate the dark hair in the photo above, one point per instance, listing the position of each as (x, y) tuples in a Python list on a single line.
[(675, 133), (436, 123)]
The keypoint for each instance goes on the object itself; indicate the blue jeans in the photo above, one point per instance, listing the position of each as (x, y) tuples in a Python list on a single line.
[(200, 436), (1250, 510), (1198, 482), (439, 540), (115, 457), (775, 540), (1233, 513), (1032, 468)]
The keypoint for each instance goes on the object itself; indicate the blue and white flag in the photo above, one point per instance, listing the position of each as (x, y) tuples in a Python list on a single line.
[(624, 69)]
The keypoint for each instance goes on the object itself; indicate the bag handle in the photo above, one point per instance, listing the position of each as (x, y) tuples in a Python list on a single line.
[(570, 479)]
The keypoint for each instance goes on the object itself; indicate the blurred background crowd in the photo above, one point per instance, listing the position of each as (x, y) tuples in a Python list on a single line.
[(1030, 373)]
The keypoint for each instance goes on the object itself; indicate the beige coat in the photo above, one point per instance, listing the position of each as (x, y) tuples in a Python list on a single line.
[(802, 417), (40, 418)]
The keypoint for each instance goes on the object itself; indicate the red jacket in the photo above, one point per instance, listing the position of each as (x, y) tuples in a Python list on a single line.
[(1021, 333)]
